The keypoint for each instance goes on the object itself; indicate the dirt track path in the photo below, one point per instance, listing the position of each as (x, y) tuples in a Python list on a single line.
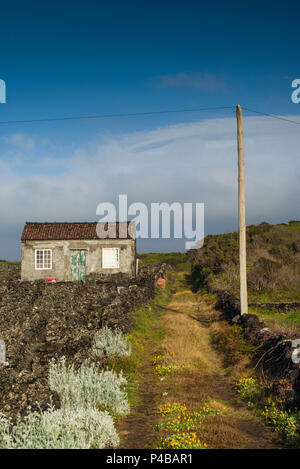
[(187, 325), (137, 430)]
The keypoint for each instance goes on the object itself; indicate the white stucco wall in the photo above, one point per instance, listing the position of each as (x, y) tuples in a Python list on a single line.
[(61, 257)]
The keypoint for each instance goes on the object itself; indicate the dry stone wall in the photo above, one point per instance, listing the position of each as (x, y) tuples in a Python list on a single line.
[(274, 351), (39, 321)]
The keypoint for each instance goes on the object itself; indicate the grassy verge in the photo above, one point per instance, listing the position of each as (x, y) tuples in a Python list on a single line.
[(257, 392), (147, 319), (2, 261), (279, 295), (180, 360), (283, 322), (274, 413), (178, 426), (232, 344)]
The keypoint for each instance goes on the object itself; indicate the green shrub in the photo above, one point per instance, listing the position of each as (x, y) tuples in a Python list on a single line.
[(232, 343), (249, 390), (182, 441), (86, 387), (272, 256), (81, 428), (285, 422), (199, 276)]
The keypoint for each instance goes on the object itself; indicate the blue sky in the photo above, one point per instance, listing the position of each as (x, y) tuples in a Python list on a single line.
[(63, 58)]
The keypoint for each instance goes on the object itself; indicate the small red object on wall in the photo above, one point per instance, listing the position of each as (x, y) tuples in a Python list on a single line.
[(161, 283), (50, 279)]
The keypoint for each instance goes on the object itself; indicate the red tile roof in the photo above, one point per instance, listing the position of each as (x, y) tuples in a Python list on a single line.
[(75, 230)]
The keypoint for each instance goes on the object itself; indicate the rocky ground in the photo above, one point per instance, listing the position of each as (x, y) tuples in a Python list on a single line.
[(39, 321)]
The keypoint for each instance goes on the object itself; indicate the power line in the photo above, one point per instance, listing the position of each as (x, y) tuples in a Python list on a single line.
[(272, 115), (146, 113), (106, 116)]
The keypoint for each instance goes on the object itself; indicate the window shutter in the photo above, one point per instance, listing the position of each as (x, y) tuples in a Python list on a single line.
[(110, 258)]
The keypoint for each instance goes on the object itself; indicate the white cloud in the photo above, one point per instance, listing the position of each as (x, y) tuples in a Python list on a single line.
[(21, 141), (194, 162)]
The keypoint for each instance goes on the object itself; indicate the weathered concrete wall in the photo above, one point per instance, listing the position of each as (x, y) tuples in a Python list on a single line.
[(61, 257)]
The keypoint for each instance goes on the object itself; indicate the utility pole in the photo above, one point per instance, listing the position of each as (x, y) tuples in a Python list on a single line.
[(242, 216)]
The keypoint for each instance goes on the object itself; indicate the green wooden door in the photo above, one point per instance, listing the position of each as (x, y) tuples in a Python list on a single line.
[(78, 261)]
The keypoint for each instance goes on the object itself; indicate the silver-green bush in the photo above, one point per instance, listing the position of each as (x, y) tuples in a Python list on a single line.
[(110, 342), (80, 428), (86, 387)]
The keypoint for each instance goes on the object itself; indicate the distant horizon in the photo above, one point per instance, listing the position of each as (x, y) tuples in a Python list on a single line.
[(167, 241)]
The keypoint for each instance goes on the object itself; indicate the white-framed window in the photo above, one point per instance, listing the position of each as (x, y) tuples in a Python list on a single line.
[(43, 259), (110, 258)]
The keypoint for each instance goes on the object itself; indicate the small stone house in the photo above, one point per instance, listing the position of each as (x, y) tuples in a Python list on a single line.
[(71, 251)]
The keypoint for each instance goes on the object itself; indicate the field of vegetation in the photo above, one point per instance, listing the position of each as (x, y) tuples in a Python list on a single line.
[(192, 338), (185, 364), (177, 375), (178, 260)]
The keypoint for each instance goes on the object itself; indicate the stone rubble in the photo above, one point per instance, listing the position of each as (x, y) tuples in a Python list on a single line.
[(39, 321)]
